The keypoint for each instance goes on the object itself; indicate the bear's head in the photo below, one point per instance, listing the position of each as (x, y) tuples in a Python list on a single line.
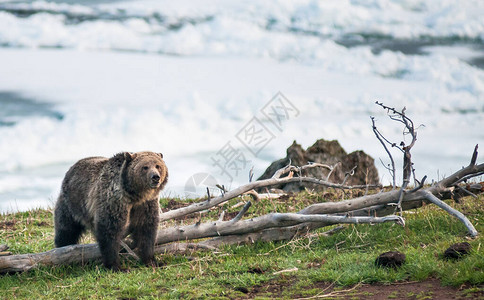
[(144, 173)]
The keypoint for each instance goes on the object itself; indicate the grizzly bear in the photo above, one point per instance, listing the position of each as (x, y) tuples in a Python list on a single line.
[(112, 197)]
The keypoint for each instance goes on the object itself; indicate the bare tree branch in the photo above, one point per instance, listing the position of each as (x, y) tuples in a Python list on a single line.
[(381, 138), (290, 168), (420, 185), (130, 252), (409, 128), (466, 173), (242, 212), (220, 228), (175, 213), (472, 231), (467, 192)]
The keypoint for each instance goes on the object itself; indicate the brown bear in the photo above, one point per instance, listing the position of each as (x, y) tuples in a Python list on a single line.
[(112, 197)]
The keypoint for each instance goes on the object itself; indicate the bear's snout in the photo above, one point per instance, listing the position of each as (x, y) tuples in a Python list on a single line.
[(155, 179)]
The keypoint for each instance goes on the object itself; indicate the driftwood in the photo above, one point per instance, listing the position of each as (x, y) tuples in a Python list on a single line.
[(372, 208)]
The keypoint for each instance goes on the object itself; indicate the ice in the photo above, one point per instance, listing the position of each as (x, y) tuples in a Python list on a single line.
[(184, 77), (188, 108), (260, 29)]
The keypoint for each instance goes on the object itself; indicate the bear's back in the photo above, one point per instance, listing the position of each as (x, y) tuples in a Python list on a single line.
[(79, 187), (84, 172)]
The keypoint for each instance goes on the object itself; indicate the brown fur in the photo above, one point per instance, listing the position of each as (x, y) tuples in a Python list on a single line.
[(112, 197)]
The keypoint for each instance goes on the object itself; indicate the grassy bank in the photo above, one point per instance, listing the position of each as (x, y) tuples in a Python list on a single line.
[(311, 263)]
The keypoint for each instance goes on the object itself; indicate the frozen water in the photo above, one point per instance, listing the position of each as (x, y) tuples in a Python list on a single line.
[(184, 78)]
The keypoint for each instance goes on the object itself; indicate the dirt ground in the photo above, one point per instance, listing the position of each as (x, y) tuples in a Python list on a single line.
[(428, 289)]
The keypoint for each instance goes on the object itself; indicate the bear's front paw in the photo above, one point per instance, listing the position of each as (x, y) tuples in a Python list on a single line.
[(115, 267)]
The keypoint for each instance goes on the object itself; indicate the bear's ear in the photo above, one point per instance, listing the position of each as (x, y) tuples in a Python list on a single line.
[(123, 157), (128, 156), (160, 154)]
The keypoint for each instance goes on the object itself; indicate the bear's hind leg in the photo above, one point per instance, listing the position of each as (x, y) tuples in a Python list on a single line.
[(67, 230)]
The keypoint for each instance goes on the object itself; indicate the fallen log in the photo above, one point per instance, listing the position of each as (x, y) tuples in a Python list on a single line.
[(288, 233), (211, 202)]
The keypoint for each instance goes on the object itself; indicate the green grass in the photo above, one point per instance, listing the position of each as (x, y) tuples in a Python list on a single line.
[(345, 258)]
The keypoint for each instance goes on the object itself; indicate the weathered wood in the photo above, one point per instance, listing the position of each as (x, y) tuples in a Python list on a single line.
[(220, 228), (196, 207), (76, 254), (470, 228), (288, 233), (443, 187), (57, 256), (184, 247)]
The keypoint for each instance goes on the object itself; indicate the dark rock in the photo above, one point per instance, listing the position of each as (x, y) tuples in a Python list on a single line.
[(458, 250), (391, 259), (330, 153), (326, 149)]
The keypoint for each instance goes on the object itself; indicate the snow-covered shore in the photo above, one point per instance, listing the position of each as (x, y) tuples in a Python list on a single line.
[(123, 77)]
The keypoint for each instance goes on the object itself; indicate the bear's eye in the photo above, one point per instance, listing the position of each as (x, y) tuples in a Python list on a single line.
[(158, 167), (145, 168)]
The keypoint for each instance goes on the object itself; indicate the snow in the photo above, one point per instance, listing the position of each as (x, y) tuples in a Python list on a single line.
[(183, 78)]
